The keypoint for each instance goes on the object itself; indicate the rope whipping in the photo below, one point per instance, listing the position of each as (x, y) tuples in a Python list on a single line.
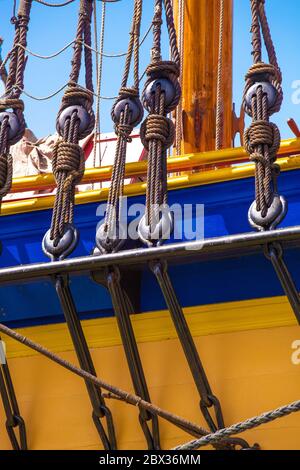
[(160, 97), (12, 121), (127, 113), (263, 97), (75, 121)]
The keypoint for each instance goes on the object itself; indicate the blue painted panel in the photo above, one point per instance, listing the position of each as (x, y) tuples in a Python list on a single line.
[(226, 207)]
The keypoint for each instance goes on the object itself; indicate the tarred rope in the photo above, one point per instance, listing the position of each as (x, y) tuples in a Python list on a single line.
[(68, 158)]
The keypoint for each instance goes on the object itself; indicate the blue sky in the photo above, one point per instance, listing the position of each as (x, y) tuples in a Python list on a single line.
[(51, 28)]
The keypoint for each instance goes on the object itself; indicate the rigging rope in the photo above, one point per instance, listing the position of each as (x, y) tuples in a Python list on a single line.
[(75, 121), (179, 123), (263, 97), (3, 72)]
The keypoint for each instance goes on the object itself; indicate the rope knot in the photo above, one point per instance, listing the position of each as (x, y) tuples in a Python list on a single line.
[(157, 127), (262, 133)]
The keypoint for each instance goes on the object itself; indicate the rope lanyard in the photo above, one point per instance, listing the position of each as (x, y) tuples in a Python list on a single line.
[(263, 97), (127, 113), (75, 121)]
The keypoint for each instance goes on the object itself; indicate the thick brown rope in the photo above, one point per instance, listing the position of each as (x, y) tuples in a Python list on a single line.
[(129, 398), (68, 157), (262, 139)]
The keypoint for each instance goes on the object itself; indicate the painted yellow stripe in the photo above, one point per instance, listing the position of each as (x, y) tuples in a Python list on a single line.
[(179, 182), (157, 326), (175, 164)]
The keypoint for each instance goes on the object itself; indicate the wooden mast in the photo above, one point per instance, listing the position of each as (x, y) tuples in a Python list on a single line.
[(200, 65)]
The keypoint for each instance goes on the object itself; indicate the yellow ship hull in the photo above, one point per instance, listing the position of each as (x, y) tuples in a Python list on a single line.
[(249, 350)]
